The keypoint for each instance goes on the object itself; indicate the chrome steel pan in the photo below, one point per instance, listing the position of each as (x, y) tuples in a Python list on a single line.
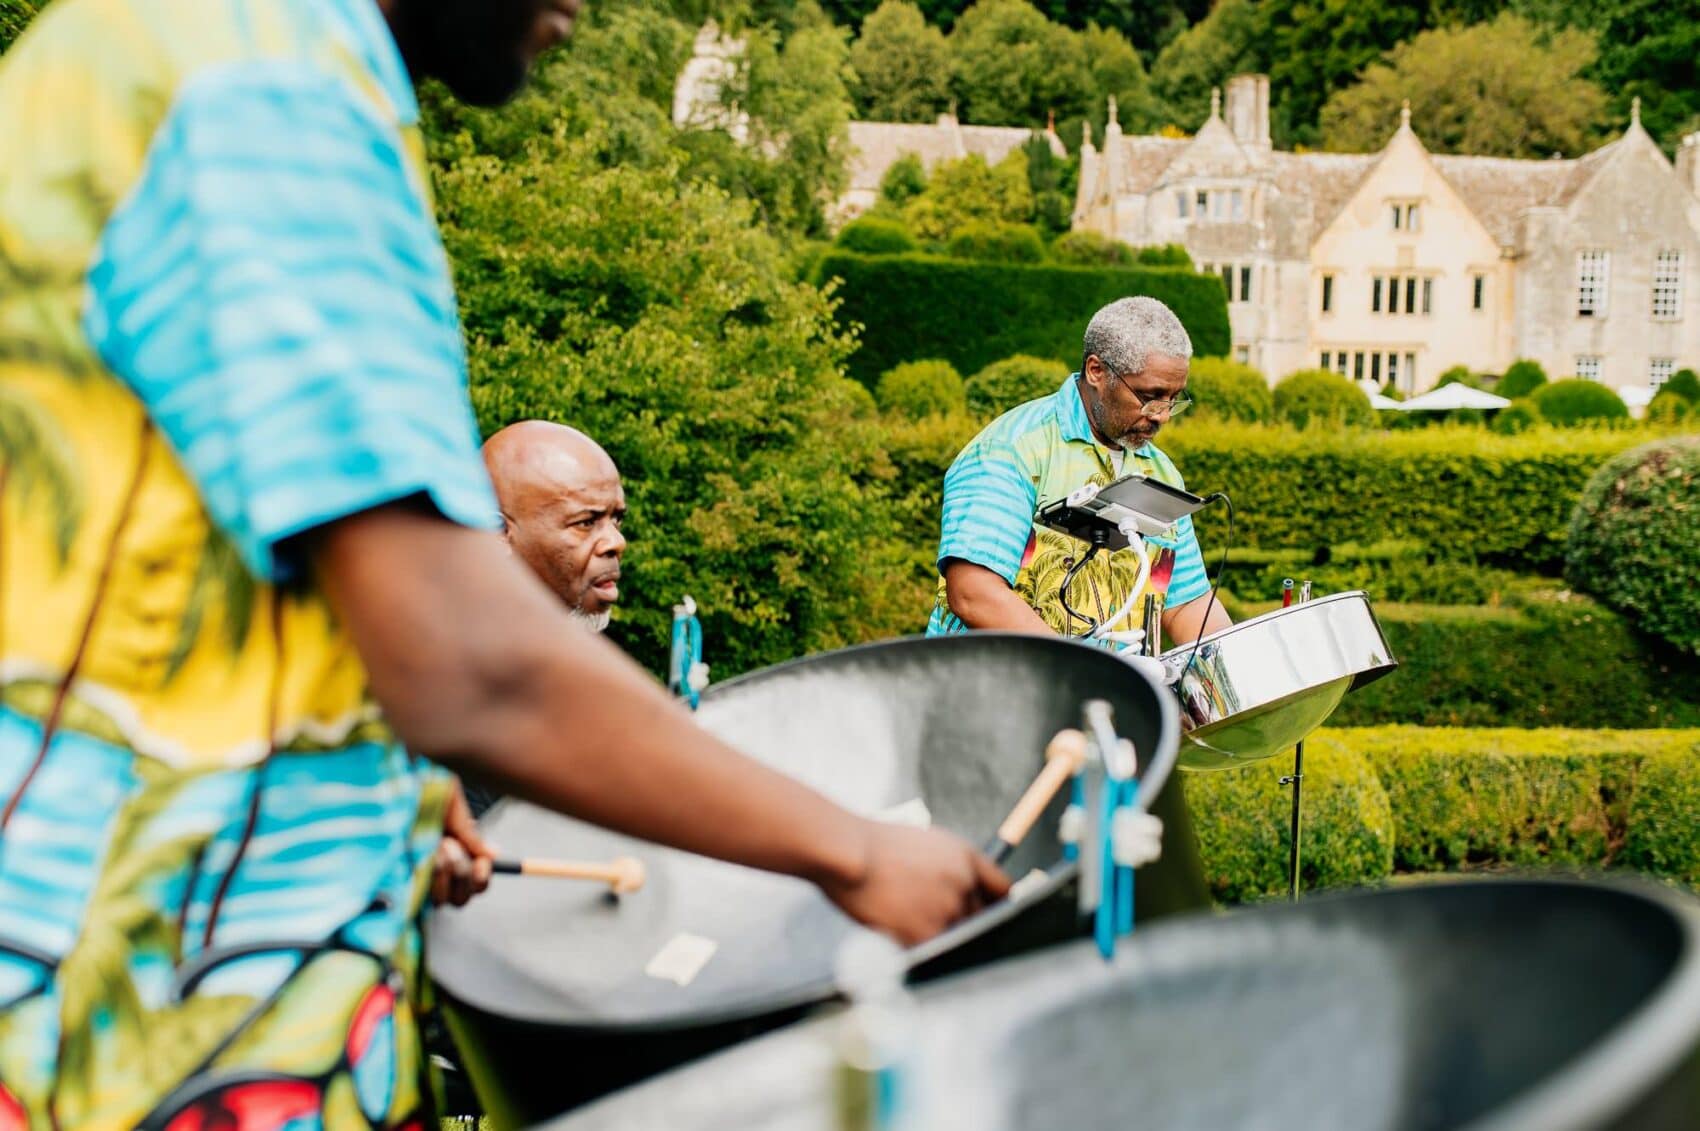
[(1262, 685), (546, 981), (1502, 1005)]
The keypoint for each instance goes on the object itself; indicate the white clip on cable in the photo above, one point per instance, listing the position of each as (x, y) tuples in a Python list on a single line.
[(1136, 837), (1072, 826)]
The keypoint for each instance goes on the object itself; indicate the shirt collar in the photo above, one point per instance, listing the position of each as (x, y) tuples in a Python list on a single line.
[(1071, 418), (364, 31)]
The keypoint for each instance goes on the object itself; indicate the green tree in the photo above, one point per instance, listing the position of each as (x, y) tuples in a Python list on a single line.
[(1052, 180), (1521, 378), (903, 181), (14, 14), (1117, 73), (1012, 66), (1498, 89), (967, 190), (1318, 47), (1223, 44), (902, 66)]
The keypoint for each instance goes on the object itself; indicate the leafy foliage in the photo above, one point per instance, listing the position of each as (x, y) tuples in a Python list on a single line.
[(1685, 383), (1576, 400), (1499, 89), (871, 235), (1226, 42), (966, 190), (1518, 416), (1016, 380), (1635, 539), (973, 314), (1522, 378), (902, 66), (918, 389), (903, 181), (1322, 398), (14, 15), (1009, 64), (1227, 390), (996, 243), (1089, 249), (1668, 408)]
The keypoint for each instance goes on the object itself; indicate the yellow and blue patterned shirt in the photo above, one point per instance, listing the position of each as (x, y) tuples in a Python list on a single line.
[(1029, 457), (225, 319)]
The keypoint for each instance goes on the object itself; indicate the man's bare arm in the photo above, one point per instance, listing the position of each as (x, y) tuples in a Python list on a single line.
[(982, 599), (1185, 623), (479, 668)]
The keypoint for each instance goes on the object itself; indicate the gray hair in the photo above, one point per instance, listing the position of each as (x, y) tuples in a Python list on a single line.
[(1128, 331)]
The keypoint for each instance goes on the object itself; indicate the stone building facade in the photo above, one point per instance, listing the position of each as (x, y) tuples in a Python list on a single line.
[(1400, 264)]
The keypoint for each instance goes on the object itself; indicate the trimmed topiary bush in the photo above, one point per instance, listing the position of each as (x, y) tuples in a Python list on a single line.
[(1457, 375), (1518, 416), (1662, 837), (871, 235), (918, 389), (1668, 408), (1685, 383), (1004, 384), (1241, 818), (997, 243), (1523, 378), (904, 180), (1228, 390), (1089, 249), (1634, 540), (1165, 255), (1575, 401), (1322, 398)]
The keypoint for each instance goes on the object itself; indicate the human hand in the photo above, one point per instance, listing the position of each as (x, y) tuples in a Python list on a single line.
[(464, 862), (917, 882)]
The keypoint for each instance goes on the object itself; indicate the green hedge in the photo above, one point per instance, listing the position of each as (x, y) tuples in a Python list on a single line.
[(972, 314), (1543, 659), (1387, 800), (1458, 491)]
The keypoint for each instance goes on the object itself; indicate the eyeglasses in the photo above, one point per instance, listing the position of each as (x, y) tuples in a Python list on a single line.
[(1152, 409)]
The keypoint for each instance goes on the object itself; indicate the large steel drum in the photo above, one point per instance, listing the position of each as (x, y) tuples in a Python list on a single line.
[(1254, 689), (1503, 1005), (546, 984)]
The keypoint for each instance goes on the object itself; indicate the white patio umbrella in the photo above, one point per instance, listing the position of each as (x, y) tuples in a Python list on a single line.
[(1376, 400), (1456, 395)]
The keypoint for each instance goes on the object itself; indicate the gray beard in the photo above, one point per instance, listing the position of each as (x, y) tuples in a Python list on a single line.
[(596, 622)]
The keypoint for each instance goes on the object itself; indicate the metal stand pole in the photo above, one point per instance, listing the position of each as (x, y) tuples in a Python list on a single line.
[(1297, 778)]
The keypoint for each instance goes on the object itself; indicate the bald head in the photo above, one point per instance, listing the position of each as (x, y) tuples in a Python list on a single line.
[(562, 509)]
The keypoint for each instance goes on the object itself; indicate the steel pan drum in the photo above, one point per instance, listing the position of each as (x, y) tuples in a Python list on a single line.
[(1503, 1005), (546, 985), (1260, 686)]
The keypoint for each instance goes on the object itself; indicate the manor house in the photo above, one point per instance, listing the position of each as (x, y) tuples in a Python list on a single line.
[(1397, 265)]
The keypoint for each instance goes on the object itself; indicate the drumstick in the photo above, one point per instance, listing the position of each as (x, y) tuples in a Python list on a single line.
[(1064, 757), (623, 874)]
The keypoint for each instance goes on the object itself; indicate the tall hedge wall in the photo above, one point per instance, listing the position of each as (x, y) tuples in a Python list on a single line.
[(1399, 800), (1462, 492), (972, 314)]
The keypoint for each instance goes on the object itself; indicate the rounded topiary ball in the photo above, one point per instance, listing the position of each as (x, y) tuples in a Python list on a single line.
[(1634, 539), (1228, 390), (1004, 384), (1575, 400), (918, 389), (1685, 383), (872, 235), (1523, 378), (1321, 397)]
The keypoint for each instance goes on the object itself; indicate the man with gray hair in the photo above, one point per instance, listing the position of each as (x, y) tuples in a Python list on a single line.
[(998, 570)]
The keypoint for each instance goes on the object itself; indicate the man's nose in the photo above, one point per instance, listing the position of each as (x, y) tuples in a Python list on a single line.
[(613, 542)]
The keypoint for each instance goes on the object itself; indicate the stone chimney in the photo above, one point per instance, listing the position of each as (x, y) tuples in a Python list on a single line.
[(1248, 110), (1688, 163)]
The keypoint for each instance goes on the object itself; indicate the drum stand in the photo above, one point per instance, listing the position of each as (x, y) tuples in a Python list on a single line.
[(1296, 779)]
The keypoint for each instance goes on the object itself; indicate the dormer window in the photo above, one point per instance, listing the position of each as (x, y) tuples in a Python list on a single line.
[(1407, 216)]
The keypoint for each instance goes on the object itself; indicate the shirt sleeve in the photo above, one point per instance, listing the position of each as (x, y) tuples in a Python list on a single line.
[(987, 516), (275, 292), (1188, 582)]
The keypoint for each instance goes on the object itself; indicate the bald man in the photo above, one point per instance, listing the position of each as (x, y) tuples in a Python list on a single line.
[(562, 508)]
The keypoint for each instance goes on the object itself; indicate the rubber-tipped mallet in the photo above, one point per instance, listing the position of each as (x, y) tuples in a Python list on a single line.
[(1065, 756), (623, 874)]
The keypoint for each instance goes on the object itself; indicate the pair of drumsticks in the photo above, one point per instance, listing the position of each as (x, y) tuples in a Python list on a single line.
[(1064, 757)]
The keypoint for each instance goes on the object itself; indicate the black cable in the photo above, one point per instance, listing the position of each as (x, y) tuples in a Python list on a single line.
[(1098, 540), (1221, 568)]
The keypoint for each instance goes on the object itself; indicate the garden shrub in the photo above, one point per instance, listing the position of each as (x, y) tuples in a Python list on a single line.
[(1667, 407), (1521, 379), (1462, 493), (1663, 837), (1089, 249), (1228, 390), (996, 243), (1575, 400), (1634, 541), (1321, 398), (1517, 417), (871, 235), (1165, 255), (918, 389), (1685, 383), (973, 314), (1016, 380), (1241, 819)]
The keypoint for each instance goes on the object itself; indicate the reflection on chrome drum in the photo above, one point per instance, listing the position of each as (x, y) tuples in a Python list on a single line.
[(1258, 687)]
